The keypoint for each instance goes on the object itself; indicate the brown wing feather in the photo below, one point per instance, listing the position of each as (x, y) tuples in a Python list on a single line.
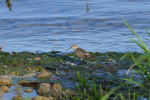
[(82, 53)]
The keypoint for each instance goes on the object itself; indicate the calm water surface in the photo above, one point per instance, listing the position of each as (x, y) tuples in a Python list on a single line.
[(46, 25)]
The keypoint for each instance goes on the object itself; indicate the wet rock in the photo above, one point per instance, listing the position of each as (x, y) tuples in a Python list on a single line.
[(17, 97), (22, 81), (5, 80), (17, 89), (57, 86), (51, 98), (71, 64), (17, 85), (5, 66), (43, 74), (41, 98), (2, 98), (56, 90), (28, 90), (147, 85), (5, 89), (1, 93), (43, 88), (68, 93), (18, 93), (111, 69), (35, 84), (56, 93)]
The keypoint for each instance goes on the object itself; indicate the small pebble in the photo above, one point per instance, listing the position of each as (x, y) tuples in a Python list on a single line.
[(28, 90), (71, 64), (5, 66)]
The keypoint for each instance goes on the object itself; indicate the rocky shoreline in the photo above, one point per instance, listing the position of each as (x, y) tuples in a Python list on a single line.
[(54, 74)]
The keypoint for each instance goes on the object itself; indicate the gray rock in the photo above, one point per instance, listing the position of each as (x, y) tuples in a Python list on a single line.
[(111, 69)]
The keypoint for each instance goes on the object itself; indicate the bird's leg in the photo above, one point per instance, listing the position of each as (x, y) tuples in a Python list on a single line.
[(82, 61)]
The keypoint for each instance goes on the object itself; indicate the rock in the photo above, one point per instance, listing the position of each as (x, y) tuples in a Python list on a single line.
[(71, 64), (5, 66), (17, 89), (68, 93), (17, 97), (43, 74), (5, 80), (111, 69), (28, 90), (41, 98), (57, 90), (56, 86), (51, 98), (147, 85), (22, 81), (56, 93), (18, 93), (5, 89), (2, 98), (1, 93), (43, 88), (17, 85)]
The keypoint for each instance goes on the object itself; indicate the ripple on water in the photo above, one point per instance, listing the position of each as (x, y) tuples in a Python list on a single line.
[(98, 30)]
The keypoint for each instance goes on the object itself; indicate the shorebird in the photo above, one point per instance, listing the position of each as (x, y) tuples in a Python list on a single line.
[(81, 53)]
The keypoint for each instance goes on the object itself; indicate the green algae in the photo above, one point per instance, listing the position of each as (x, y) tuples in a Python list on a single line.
[(21, 63), (18, 63)]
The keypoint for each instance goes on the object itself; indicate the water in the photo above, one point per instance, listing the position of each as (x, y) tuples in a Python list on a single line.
[(14, 88), (13, 93), (43, 25)]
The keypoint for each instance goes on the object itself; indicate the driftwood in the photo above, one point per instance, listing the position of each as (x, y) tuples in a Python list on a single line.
[(35, 84)]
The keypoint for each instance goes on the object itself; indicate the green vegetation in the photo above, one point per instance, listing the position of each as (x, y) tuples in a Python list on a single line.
[(25, 62), (87, 91)]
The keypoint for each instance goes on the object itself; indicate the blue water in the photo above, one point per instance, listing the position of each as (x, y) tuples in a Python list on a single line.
[(46, 25)]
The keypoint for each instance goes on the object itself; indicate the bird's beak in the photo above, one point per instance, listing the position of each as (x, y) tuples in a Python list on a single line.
[(69, 48)]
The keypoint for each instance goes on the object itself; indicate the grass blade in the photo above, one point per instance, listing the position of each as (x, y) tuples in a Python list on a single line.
[(136, 35)]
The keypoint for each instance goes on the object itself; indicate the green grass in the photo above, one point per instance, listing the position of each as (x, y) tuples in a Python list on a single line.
[(143, 63), (144, 69)]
